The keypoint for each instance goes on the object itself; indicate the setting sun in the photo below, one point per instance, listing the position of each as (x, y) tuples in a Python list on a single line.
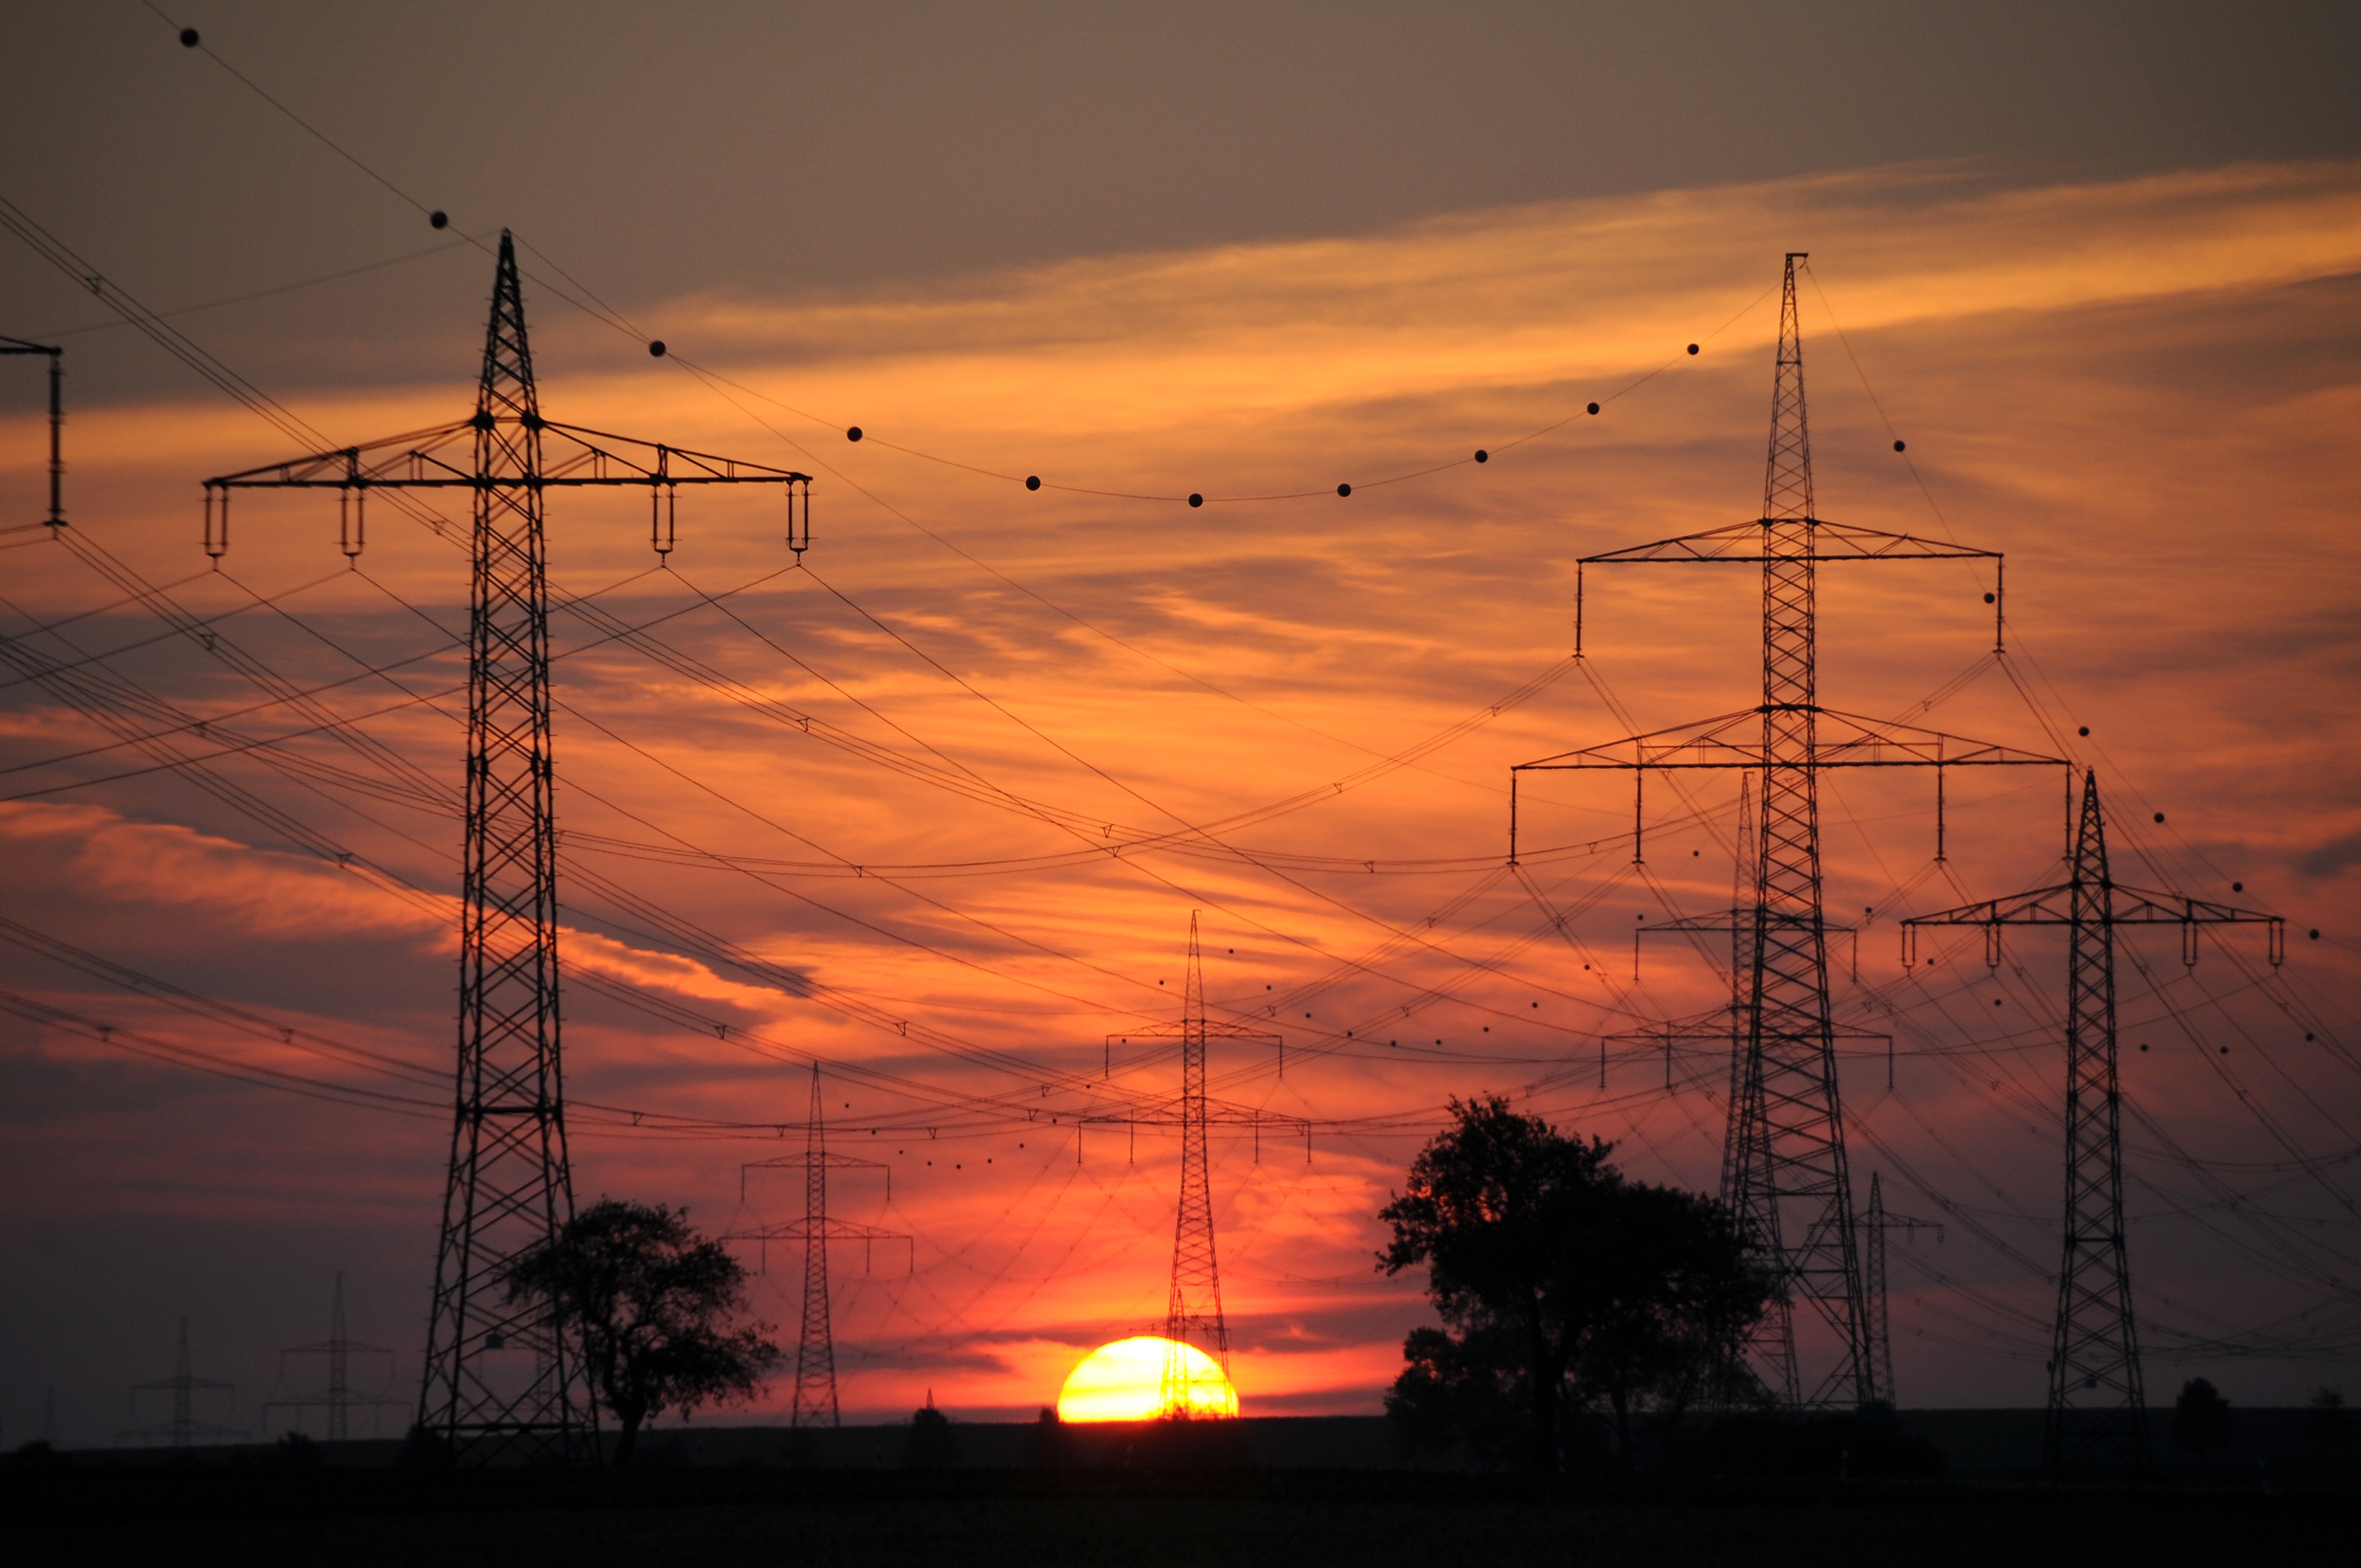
[(1124, 1382)]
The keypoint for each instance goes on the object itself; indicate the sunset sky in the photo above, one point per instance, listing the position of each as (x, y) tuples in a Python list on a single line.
[(932, 807)]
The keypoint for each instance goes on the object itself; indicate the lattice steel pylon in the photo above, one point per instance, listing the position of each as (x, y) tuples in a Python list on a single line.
[(1875, 1223), (815, 1345), (2098, 1402), (337, 1398), (816, 1401), (502, 1378), (184, 1429), (1193, 1316), (1193, 1313), (1787, 1175)]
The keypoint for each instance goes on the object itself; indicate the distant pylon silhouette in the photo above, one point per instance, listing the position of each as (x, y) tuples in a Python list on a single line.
[(337, 1399), (184, 1429), (1875, 1225), (2098, 1400), (816, 1400), (816, 1346), (501, 1376), (1785, 1173), (1193, 1315)]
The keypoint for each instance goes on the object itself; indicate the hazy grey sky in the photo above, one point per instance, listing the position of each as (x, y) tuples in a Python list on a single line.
[(660, 150)]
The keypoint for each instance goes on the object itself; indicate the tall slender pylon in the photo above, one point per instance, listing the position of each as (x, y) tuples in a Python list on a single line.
[(1193, 1313), (816, 1400), (1785, 1171), (2098, 1400), (502, 1377), (337, 1398), (1876, 1224), (182, 1430), (815, 1345)]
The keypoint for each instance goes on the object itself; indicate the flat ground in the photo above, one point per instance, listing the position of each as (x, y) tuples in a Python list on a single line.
[(254, 1517)]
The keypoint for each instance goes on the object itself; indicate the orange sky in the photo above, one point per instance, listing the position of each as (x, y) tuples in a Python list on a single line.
[(2143, 391)]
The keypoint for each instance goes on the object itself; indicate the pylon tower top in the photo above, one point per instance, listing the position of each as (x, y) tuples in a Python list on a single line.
[(1787, 478)]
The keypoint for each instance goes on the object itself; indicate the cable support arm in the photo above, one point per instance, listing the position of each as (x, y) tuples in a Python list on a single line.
[(829, 1160), (1735, 741), (57, 517), (828, 1228), (1847, 741), (2125, 906), (1745, 543), (571, 457)]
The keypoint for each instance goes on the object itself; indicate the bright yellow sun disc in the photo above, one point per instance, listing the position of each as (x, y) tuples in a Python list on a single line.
[(1126, 1382)]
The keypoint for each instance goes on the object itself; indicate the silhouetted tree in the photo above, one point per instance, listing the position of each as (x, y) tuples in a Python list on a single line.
[(297, 1451), (2325, 1422), (1465, 1391), (651, 1306), (1550, 1266), (2201, 1418), (1045, 1439), (931, 1445)]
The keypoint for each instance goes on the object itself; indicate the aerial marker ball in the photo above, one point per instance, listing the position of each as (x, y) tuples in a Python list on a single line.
[(1482, 455), (1899, 446), (656, 348), (438, 219), (2237, 887), (1195, 499), (2315, 933), (1343, 490), (1988, 599), (1032, 481), (1593, 408), (2307, 1033), (2225, 1050), (2084, 730), (2142, 1044), (189, 37), (1693, 348), (853, 435), (2159, 816)]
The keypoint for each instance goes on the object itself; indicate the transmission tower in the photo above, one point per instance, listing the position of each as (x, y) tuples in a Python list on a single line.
[(1787, 1178), (1874, 1226), (502, 1378), (337, 1398), (816, 1348), (184, 1429), (57, 517), (2098, 1404)]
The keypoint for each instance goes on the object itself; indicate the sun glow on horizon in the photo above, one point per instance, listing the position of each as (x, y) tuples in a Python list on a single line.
[(1124, 1382)]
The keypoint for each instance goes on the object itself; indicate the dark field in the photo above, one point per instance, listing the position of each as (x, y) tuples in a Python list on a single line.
[(251, 1515)]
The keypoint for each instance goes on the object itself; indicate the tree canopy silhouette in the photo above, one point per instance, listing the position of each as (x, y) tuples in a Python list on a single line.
[(1554, 1274), (651, 1307), (2201, 1418)]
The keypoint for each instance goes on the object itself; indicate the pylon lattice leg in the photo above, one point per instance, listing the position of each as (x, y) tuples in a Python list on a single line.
[(2098, 1406)]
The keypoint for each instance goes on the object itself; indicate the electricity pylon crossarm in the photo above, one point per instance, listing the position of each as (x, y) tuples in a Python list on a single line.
[(1786, 1172), (502, 1378), (2098, 1402), (57, 517)]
